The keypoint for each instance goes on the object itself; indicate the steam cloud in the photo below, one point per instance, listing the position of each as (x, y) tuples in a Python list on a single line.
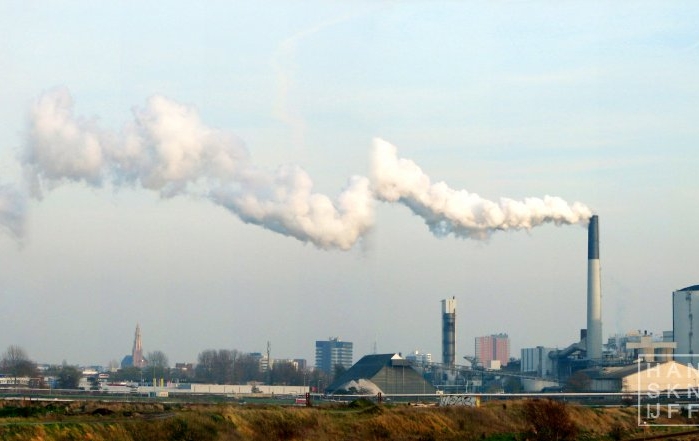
[(12, 210), (448, 211), (167, 148)]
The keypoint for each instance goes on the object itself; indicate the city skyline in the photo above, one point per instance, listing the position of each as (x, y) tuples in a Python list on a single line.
[(158, 163)]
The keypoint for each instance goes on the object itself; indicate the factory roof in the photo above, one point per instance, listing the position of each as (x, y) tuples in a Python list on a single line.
[(391, 373), (367, 367), (690, 288), (619, 372), (615, 371)]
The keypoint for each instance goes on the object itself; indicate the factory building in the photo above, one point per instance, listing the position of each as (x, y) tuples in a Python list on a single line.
[(333, 352), (384, 373), (638, 377), (685, 323), (419, 358), (644, 345), (536, 361)]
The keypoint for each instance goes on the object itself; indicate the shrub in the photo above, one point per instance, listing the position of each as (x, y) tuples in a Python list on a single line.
[(549, 420)]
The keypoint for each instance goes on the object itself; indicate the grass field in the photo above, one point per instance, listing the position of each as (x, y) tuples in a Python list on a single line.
[(358, 420)]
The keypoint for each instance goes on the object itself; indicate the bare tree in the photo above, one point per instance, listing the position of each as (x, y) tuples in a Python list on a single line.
[(205, 365), (225, 366), (158, 365), (215, 366), (247, 368), (285, 372), (158, 359), (16, 362)]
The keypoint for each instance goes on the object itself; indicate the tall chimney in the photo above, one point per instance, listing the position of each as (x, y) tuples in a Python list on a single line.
[(594, 292), (449, 331)]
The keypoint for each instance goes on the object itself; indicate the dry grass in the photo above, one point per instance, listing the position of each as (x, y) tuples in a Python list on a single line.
[(364, 421)]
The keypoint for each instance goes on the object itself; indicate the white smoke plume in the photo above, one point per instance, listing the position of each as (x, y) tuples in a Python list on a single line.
[(167, 148), (12, 210), (284, 202), (59, 146), (448, 211)]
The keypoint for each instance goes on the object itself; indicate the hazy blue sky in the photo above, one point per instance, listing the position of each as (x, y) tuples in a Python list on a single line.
[(592, 102)]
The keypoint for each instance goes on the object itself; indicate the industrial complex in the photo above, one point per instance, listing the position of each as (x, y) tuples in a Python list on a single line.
[(586, 365)]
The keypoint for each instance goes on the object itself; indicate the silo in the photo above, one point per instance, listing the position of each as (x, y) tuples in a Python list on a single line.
[(449, 331)]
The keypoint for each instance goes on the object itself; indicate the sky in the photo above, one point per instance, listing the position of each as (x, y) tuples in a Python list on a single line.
[(248, 172)]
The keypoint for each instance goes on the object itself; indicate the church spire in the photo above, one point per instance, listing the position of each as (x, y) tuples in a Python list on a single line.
[(137, 352)]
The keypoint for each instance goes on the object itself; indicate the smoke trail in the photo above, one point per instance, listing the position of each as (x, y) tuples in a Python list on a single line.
[(448, 211), (60, 147), (284, 202), (166, 148), (12, 210)]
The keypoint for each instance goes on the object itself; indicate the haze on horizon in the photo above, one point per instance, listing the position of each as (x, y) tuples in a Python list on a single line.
[(236, 174)]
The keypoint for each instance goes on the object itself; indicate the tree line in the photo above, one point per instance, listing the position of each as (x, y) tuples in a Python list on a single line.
[(222, 366)]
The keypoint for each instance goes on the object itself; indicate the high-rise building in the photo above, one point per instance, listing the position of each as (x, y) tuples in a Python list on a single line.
[(495, 347), (300, 364), (333, 352)]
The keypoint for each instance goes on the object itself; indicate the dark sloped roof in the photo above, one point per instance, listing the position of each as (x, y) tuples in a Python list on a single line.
[(391, 373), (366, 368), (690, 288)]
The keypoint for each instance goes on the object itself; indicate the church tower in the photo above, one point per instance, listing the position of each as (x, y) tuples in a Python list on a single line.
[(137, 352)]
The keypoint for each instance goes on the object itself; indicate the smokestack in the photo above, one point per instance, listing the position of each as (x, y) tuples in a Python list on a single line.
[(594, 292), (449, 331)]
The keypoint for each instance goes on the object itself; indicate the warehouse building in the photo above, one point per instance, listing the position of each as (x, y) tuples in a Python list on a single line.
[(385, 373)]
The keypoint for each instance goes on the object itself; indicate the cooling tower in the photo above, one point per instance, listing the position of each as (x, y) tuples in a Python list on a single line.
[(594, 292)]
